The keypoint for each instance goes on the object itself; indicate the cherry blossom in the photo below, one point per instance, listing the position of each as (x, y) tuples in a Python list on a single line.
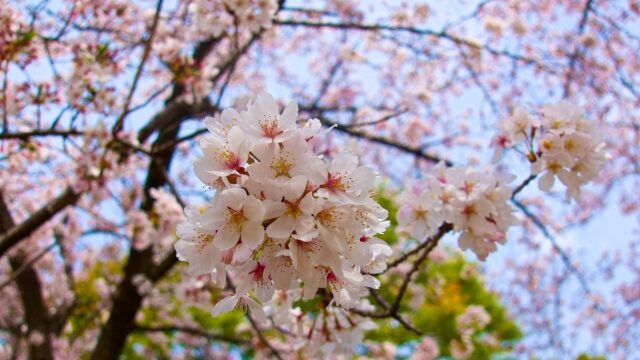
[(561, 144), (473, 201), (286, 222), (117, 161)]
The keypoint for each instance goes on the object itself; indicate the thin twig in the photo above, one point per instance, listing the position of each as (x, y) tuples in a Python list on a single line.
[(191, 331), (145, 54), (524, 184), (26, 135), (379, 121), (262, 338), (563, 255), (26, 265), (444, 228)]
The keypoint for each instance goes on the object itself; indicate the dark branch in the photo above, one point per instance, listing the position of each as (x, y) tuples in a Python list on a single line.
[(36, 313), (16, 233), (192, 331)]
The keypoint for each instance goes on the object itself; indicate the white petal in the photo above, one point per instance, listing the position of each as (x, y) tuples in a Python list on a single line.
[(256, 310), (226, 238), (274, 209), (265, 104), (344, 163), (281, 228), (253, 209), (289, 115), (252, 234), (363, 178), (236, 138), (264, 290), (308, 204), (546, 181), (224, 305), (297, 185), (244, 286), (260, 171), (233, 198)]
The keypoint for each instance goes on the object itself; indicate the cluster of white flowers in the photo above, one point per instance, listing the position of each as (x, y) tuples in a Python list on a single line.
[(318, 334), (156, 227), (473, 201), (217, 15), (282, 217), (559, 142), (94, 66)]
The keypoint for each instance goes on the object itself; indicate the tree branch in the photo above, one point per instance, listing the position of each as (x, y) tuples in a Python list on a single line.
[(379, 139), (36, 313), (11, 236), (26, 135), (191, 331), (381, 27)]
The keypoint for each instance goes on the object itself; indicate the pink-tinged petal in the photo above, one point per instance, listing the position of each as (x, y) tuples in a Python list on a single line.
[(253, 209), (220, 276), (236, 138), (274, 209), (260, 171), (229, 118), (360, 255), (265, 104), (225, 305), (343, 163), (370, 282), (264, 290), (252, 234), (308, 204), (200, 168), (281, 228), (304, 224), (244, 286), (406, 215), (280, 270), (265, 152), (546, 181), (241, 254), (201, 261), (316, 170), (537, 167), (289, 115), (569, 179), (297, 185), (363, 178), (256, 310), (226, 238), (233, 198)]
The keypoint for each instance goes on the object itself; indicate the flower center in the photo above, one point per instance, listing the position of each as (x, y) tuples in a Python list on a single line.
[(235, 218), (269, 127), (281, 166)]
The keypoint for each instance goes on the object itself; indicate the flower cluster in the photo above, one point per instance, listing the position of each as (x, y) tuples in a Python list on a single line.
[(251, 15), (93, 68), (559, 142), (318, 334), (474, 319), (427, 349), (16, 38), (282, 217), (473, 201)]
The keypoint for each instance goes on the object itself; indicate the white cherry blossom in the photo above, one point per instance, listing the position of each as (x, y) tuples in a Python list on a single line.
[(283, 219), (237, 216), (560, 143), (473, 201)]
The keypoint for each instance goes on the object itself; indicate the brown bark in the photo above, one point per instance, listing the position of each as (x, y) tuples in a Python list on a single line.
[(30, 289)]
